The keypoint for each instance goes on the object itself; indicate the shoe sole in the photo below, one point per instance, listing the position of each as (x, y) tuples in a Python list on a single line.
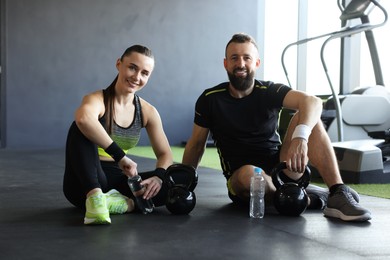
[(334, 213), (97, 221)]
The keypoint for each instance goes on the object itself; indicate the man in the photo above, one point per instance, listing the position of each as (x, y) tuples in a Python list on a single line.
[(242, 116)]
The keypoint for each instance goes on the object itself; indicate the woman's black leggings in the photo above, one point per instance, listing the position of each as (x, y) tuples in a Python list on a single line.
[(84, 172)]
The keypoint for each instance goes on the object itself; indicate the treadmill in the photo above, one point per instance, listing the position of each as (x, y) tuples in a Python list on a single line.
[(358, 123)]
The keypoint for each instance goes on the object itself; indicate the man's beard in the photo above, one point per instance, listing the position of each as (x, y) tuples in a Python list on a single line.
[(241, 84)]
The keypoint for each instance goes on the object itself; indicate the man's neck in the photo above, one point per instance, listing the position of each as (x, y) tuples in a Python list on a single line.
[(240, 93)]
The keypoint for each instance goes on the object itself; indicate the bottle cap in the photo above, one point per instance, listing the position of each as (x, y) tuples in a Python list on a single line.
[(257, 170)]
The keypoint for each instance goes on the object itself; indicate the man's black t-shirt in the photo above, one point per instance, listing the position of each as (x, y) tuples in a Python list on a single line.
[(243, 129)]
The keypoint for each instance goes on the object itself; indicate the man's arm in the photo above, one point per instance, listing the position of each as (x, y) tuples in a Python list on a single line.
[(295, 145), (309, 107), (195, 146)]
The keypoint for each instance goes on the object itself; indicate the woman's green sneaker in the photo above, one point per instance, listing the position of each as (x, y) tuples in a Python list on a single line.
[(116, 202), (96, 210)]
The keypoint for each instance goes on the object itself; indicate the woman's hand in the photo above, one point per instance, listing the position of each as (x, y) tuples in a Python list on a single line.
[(128, 166), (152, 185)]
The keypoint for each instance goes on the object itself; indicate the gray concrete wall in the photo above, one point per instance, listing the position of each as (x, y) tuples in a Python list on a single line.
[(56, 51)]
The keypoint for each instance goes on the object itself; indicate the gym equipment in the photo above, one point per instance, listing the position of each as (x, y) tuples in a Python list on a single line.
[(364, 155), (180, 201), (182, 175), (182, 180), (290, 198), (357, 123)]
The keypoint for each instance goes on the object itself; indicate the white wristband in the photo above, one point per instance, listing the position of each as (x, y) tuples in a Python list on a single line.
[(301, 131)]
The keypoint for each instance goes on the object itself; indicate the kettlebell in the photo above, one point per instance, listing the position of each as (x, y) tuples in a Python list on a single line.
[(182, 175), (182, 180), (180, 201), (290, 198)]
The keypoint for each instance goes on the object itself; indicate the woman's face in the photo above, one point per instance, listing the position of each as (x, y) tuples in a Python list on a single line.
[(134, 71)]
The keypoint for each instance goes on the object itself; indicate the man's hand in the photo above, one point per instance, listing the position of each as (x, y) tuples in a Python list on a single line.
[(297, 159)]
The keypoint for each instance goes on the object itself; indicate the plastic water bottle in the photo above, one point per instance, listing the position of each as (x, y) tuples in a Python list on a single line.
[(146, 206), (257, 191)]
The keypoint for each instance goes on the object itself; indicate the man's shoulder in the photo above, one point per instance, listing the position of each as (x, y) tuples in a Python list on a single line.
[(271, 86), (216, 89), (262, 84)]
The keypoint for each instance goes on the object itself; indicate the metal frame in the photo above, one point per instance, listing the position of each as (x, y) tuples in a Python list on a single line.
[(342, 33), (2, 74)]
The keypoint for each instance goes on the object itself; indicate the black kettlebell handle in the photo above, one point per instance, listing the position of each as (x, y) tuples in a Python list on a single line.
[(190, 172), (302, 182)]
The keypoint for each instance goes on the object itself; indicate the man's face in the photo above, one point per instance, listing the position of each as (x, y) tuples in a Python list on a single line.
[(241, 63)]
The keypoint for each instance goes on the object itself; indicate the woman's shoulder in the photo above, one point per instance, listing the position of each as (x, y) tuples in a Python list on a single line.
[(150, 113), (93, 97), (94, 101), (146, 106), (96, 94)]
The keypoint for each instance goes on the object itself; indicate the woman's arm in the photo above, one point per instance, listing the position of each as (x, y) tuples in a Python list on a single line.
[(160, 145), (156, 134), (87, 119)]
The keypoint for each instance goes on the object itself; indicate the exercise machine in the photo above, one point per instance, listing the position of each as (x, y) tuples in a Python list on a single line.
[(358, 123)]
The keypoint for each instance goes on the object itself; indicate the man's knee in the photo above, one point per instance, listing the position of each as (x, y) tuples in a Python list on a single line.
[(239, 182)]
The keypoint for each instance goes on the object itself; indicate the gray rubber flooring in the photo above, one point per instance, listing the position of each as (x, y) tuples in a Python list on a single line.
[(37, 222)]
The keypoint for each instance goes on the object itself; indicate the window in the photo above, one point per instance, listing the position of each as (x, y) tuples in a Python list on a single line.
[(281, 29)]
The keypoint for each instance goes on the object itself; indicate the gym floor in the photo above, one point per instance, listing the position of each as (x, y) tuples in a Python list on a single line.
[(37, 222)]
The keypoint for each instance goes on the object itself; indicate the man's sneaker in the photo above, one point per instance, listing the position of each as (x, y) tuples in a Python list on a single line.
[(116, 202), (319, 196), (354, 194), (342, 205), (96, 210)]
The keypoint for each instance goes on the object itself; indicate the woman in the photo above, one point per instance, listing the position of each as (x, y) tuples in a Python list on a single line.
[(107, 124)]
